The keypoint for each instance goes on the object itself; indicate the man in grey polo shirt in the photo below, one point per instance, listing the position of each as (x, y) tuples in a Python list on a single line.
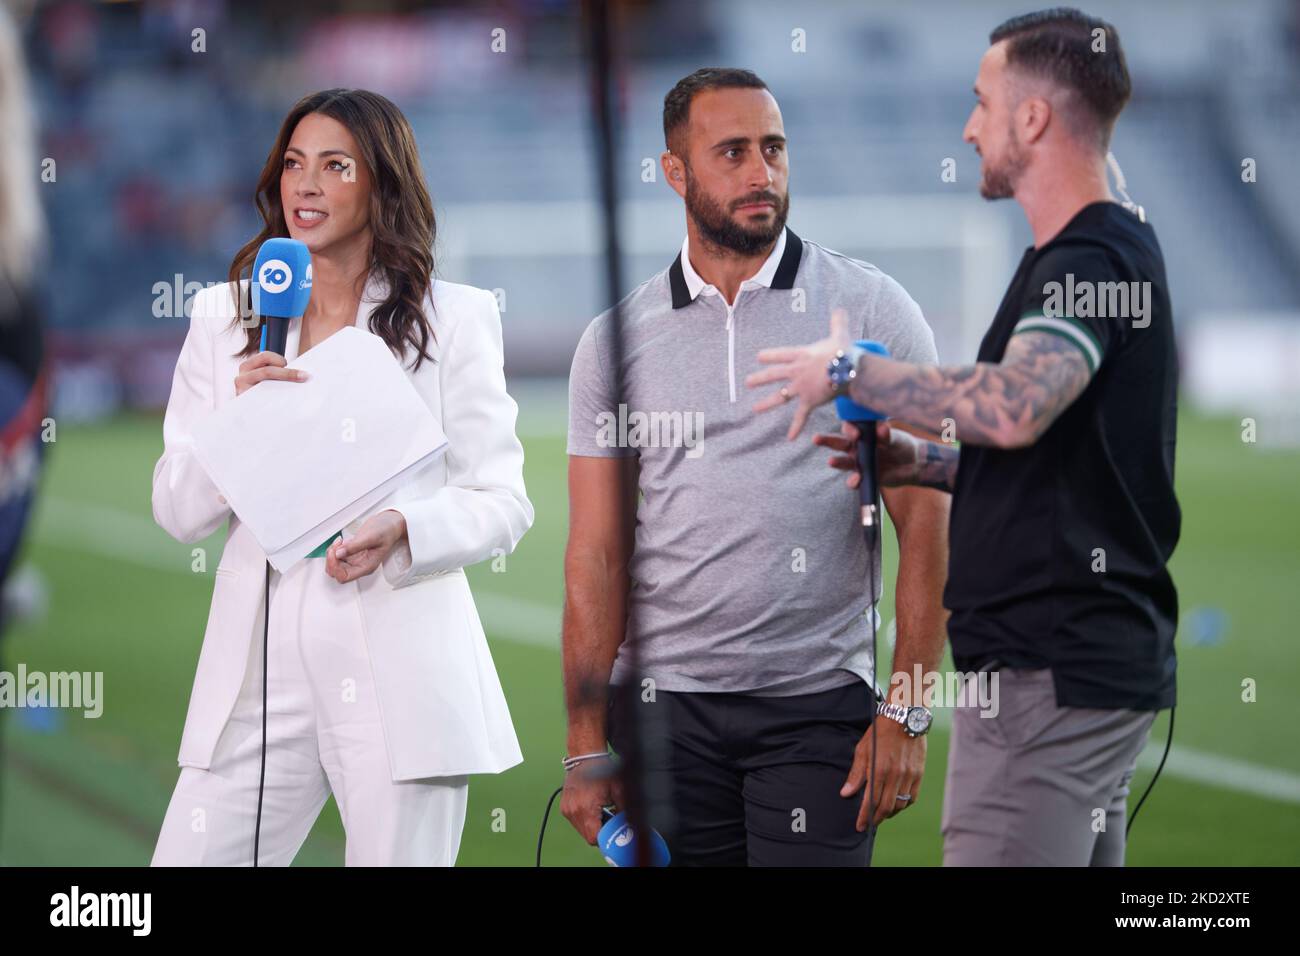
[(745, 592)]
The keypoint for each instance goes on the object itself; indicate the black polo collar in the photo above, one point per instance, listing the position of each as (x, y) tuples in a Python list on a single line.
[(783, 278)]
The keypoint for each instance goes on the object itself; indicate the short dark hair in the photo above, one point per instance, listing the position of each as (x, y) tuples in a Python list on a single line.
[(677, 104), (1058, 44)]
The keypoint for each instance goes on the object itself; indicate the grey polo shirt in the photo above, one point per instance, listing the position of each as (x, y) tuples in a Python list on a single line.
[(749, 572)]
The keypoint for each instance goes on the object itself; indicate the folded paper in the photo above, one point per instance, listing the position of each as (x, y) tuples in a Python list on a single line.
[(296, 461)]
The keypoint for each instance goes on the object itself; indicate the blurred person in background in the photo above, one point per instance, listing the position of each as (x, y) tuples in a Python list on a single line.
[(426, 707), (23, 369), (23, 375)]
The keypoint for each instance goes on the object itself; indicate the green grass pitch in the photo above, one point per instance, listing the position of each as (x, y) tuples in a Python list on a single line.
[(122, 600)]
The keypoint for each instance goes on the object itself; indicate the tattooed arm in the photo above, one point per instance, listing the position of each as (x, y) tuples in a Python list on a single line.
[(901, 458), (936, 466), (1008, 405)]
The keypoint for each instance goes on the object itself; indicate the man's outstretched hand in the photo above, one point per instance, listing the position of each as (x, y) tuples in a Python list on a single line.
[(802, 372)]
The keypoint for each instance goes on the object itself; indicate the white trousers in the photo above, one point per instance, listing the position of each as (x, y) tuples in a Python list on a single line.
[(323, 735)]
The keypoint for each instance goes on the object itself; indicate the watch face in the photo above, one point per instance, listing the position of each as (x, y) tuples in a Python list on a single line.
[(918, 720), (840, 372)]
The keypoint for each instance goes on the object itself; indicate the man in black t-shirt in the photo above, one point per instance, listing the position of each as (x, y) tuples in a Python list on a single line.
[(1059, 548), (1063, 514)]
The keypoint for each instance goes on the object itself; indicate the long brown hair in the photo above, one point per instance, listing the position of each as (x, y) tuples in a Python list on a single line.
[(401, 215)]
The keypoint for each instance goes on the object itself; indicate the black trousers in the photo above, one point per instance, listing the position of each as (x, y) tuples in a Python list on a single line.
[(738, 780)]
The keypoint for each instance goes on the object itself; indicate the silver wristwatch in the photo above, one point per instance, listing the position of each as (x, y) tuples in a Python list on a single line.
[(915, 720), (843, 368)]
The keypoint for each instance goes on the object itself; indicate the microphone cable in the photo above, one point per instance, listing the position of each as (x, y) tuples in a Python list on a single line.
[(871, 514), (282, 331), (1121, 186), (541, 833), (261, 782), (1168, 743), (872, 565)]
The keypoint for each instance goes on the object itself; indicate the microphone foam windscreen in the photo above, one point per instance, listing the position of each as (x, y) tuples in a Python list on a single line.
[(847, 408), (282, 278)]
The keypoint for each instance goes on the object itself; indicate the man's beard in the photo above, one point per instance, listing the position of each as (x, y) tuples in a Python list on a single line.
[(999, 182), (720, 229)]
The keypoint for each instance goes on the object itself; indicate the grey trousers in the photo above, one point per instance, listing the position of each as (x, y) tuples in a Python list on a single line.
[(1039, 784)]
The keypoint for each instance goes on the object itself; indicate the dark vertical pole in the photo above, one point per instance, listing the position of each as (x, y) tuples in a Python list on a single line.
[(604, 75)]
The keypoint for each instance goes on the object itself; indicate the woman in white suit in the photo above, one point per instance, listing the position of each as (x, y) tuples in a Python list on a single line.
[(378, 683)]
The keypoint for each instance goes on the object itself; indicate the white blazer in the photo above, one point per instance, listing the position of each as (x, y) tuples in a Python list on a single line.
[(442, 706)]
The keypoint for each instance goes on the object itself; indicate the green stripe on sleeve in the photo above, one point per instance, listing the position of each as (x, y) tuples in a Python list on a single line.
[(1066, 328)]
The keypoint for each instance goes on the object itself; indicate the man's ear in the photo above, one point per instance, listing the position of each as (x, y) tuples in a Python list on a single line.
[(673, 172), (1033, 116)]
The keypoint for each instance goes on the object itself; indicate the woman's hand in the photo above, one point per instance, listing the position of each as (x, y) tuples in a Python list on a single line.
[(263, 366), (365, 550)]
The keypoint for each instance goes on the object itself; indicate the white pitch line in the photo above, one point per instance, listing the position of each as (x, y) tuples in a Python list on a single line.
[(120, 536), (1226, 773), (108, 532)]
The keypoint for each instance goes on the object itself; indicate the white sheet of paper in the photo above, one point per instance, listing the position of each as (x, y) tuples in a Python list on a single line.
[(297, 461)]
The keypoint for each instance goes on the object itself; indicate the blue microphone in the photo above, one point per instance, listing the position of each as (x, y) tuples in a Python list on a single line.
[(617, 842), (864, 419), (281, 288)]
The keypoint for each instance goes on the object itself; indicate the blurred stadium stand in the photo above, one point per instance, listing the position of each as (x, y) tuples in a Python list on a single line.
[(158, 149)]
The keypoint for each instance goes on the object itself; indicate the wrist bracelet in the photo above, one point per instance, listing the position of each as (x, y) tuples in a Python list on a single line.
[(571, 762), (893, 711)]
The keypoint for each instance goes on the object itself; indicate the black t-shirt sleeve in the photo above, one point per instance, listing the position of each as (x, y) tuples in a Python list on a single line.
[(1077, 292)]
